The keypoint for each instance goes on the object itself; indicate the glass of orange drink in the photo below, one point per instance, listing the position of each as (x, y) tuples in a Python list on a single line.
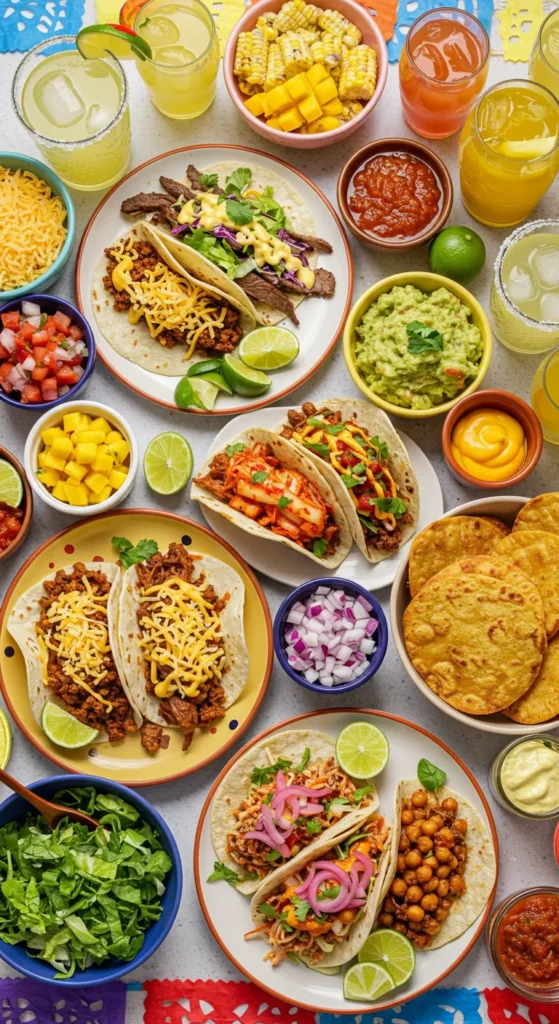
[(544, 396)]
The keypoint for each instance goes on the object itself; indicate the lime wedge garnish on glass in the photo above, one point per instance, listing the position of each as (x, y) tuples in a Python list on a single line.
[(269, 348), (362, 750), (243, 379), (366, 982), (65, 730), (5, 739), (11, 484), (529, 150), (94, 41), (392, 951), (168, 463)]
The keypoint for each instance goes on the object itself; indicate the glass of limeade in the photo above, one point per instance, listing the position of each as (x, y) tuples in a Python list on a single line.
[(509, 152), (544, 396), (181, 75), (525, 291), (544, 59), (76, 111)]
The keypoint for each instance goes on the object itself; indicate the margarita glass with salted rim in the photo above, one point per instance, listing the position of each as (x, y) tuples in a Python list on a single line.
[(525, 284), (544, 59)]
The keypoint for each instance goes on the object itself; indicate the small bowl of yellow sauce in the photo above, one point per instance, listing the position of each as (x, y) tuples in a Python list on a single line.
[(492, 440), (524, 777)]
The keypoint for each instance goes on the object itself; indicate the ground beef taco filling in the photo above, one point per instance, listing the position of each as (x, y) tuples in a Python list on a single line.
[(94, 696)]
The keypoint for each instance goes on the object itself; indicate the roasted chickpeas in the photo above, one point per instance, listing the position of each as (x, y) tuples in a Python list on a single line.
[(443, 871), (457, 884), (431, 885), (415, 913), (407, 817), (442, 853), (450, 804), (414, 894), (410, 877), (401, 865), (432, 862), (419, 798), (413, 859), (429, 902), (413, 832), (443, 887), (425, 844), (404, 843), (398, 887), (446, 835), (424, 874), (461, 825), (386, 920), (428, 827)]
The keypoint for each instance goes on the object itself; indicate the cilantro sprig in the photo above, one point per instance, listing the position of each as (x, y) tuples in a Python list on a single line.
[(130, 554), (422, 338)]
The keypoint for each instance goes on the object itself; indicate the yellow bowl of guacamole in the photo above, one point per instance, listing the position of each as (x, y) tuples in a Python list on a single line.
[(416, 343)]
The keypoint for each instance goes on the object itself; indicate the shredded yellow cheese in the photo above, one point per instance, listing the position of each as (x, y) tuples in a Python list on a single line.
[(32, 230), (182, 632)]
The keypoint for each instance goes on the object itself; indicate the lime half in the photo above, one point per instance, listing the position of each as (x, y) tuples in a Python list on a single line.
[(269, 348), (367, 981), (244, 379), (168, 463), (392, 951), (124, 44), (362, 750), (11, 485), (5, 739), (65, 730), (205, 392)]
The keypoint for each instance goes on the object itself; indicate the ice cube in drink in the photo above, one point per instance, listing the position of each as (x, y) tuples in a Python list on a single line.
[(57, 99)]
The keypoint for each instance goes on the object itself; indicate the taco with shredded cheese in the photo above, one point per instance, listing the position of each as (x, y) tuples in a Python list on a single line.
[(66, 627), (182, 639), (269, 488), (157, 314), (367, 466)]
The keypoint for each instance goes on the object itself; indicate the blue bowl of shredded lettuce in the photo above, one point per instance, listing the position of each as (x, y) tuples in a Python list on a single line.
[(80, 907)]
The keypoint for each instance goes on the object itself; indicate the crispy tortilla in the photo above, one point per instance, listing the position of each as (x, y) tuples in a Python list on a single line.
[(447, 540), (541, 701), (536, 552), (540, 513)]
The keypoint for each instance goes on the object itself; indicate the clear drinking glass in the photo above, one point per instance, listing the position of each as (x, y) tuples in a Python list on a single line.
[(544, 396), (544, 59), (76, 112), (525, 284)]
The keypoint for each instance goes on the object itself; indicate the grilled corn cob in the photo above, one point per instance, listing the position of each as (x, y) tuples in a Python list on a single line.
[(358, 74), (333, 50), (247, 89), (267, 23), (275, 68), (310, 35), (296, 14), (334, 21), (350, 110), (251, 56), (318, 52), (295, 53)]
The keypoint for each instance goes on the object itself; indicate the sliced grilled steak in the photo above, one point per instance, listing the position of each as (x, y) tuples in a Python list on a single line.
[(320, 244), (175, 189), (193, 176), (324, 283), (144, 202), (263, 291)]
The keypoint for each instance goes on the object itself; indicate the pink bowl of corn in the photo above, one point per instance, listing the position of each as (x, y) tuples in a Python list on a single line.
[(305, 75)]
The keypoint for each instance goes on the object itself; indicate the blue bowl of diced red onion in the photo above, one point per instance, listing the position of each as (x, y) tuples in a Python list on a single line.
[(330, 635), (47, 356)]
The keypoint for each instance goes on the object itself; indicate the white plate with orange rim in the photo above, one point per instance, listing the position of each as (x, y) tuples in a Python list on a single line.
[(293, 568), (321, 320), (227, 911)]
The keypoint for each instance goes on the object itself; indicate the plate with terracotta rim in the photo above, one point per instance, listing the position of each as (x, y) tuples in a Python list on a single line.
[(127, 761), (321, 320), (227, 911)]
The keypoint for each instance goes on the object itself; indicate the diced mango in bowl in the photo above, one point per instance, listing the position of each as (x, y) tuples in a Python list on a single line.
[(83, 460)]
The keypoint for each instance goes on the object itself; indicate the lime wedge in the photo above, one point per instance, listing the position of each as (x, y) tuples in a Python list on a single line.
[(392, 951), (94, 41), (214, 377), (65, 730), (269, 348), (5, 739), (243, 379), (168, 463), (184, 393), (204, 366), (11, 484), (205, 393), (367, 981), (362, 750)]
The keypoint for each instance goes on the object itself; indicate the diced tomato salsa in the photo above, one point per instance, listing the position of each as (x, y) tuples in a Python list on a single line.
[(528, 940), (10, 524), (41, 354)]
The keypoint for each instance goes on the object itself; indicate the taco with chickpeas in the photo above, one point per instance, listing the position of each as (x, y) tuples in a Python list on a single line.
[(443, 866)]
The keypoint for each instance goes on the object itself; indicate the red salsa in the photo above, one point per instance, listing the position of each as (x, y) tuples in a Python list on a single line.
[(528, 940), (395, 195), (41, 355), (10, 524)]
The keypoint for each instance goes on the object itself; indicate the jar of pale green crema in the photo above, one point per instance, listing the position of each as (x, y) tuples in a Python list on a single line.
[(524, 777)]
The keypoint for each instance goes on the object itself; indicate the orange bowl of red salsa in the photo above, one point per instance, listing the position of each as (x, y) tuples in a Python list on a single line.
[(395, 194), (523, 940), (14, 522)]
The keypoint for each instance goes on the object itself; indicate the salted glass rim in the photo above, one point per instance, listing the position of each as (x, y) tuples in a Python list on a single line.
[(554, 67), (446, 11), (524, 82), (530, 228), (60, 143), (190, 63)]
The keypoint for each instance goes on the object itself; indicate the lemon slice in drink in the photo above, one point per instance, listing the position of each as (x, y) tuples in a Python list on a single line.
[(244, 379), (95, 40), (11, 484), (531, 149), (168, 463), (5, 739), (366, 982), (269, 348), (65, 730), (362, 750), (392, 951)]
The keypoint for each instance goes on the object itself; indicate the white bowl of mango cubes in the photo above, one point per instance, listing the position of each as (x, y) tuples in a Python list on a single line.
[(78, 466)]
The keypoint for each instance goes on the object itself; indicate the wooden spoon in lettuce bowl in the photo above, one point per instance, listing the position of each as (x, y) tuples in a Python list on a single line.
[(53, 813)]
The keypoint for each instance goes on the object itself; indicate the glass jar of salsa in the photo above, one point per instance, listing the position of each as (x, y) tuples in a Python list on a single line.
[(523, 941)]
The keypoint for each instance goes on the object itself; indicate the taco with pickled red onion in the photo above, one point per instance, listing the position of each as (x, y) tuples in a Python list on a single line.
[(285, 794), (320, 907), (367, 466), (270, 489)]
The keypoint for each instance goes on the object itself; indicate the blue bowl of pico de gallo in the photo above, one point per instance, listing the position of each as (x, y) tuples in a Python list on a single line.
[(47, 352), (330, 635)]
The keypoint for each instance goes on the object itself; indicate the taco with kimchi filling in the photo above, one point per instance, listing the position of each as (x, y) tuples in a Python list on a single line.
[(283, 795), (266, 486)]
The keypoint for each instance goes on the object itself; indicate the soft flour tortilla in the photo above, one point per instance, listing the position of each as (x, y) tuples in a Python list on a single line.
[(299, 219), (375, 422), (481, 868), (290, 457), (133, 341), (291, 746), (27, 612), (224, 579), (364, 923)]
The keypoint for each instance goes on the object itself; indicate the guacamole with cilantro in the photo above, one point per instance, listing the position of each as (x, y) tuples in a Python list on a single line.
[(417, 349)]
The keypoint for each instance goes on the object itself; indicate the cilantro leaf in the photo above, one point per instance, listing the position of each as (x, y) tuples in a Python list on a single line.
[(238, 180), (301, 907), (314, 422), (319, 547), (350, 481), (360, 793), (313, 827), (282, 918), (422, 338), (358, 469), (328, 894), (122, 544), (284, 501), (239, 213), (335, 428), (259, 477), (260, 776), (272, 855), (267, 910), (367, 524), (232, 449), (223, 873), (209, 181), (429, 775), (304, 760), (270, 213), (381, 447), (268, 798), (130, 555), (320, 449), (394, 505)]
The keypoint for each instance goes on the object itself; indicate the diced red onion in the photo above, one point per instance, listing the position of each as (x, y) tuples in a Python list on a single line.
[(332, 642), (371, 627)]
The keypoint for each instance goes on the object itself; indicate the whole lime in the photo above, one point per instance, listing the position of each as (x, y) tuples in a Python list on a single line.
[(458, 253)]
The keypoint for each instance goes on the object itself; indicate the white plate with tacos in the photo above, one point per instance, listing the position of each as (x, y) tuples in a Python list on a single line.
[(368, 489), (297, 862), (193, 250)]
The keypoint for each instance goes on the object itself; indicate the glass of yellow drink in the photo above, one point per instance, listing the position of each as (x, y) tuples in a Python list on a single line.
[(544, 396), (182, 73), (544, 59), (525, 292), (76, 111), (509, 152)]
